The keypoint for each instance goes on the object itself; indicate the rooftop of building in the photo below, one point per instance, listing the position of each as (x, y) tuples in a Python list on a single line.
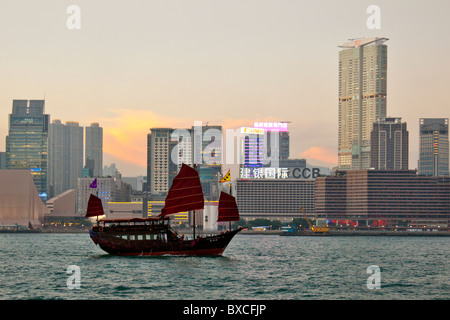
[(361, 42)]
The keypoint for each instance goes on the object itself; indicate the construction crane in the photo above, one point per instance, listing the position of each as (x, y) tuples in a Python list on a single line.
[(315, 229)]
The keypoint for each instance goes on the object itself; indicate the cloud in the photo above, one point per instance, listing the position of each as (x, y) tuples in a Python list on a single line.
[(125, 137), (125, 133), (324, 155)]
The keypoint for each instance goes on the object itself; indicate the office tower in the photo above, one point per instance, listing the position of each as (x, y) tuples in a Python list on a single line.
[(278, 149), (26, 143), (362, 99), (276, 141), (284, 145), (94, 149), (433, 147), (207, 148), (110, 171), (389, 145), (251, 147), (65, 156), (207, 144), (180, 147)]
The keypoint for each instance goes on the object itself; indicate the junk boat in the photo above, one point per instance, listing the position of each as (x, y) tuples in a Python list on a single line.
[(154, 236)]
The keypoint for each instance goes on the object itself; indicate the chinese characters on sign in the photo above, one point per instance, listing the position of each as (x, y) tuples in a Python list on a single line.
[(278, 173), (272, 126)]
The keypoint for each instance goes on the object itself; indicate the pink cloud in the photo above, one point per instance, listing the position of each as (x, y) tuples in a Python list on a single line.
[(321, 154)]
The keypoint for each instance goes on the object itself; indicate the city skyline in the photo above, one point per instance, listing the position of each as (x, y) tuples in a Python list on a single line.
[(229, 63)]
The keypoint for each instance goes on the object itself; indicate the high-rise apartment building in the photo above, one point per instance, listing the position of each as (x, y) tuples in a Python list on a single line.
[(433, 147), (65, 156), (362, 99), (158, 160), (389, 145), (26, 143), (94, 149)]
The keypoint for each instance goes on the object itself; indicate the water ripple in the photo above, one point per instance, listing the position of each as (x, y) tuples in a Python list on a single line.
[(33, 266)]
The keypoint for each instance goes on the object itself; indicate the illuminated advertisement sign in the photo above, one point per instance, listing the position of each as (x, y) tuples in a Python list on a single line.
[(247, 130), (272, 126), (279, 173)]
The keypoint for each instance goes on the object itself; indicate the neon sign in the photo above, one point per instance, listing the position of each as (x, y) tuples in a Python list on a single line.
[(279, 173)]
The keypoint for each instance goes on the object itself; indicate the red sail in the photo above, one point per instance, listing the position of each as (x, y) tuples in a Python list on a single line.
[(95, 207), (185, 194), (228, 210)]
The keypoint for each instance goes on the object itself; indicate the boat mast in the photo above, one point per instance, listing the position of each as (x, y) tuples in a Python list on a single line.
[(96, 193), (193, 223), (231, 193), (193, 218)]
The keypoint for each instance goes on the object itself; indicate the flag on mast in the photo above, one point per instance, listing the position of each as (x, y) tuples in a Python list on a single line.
[(226, 177), (93, 185)]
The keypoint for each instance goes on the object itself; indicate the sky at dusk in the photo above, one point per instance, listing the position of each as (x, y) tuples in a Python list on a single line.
[(139, 64)]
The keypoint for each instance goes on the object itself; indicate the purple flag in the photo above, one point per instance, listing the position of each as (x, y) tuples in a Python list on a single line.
[(94, 184)]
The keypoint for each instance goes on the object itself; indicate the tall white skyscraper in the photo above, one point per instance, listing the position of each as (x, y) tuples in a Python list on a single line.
[(362, 99)]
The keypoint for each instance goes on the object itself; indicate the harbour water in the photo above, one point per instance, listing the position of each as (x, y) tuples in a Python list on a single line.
[(262, 267)]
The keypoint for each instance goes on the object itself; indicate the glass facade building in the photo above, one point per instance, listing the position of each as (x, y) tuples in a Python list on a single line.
[(434, 147), (253, 145), (389, 145), (27, 141)]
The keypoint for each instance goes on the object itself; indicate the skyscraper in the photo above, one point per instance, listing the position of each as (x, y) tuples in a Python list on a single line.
[(252, 147), (389, 145), (276, 141), (65, 156), (433, 147), (168, 148), (26, 143), (207, 148), (94, 148), (362, 99), (158, 160)]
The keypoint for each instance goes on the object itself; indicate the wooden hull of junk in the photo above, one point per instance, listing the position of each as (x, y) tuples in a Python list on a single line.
[(156, 238)]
